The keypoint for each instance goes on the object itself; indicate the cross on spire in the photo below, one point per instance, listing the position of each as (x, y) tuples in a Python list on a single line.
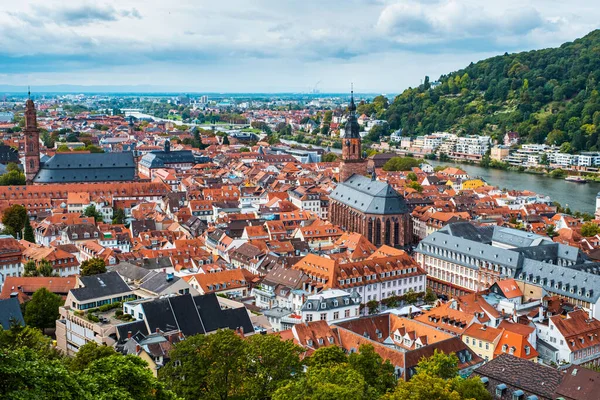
[(28, 92)]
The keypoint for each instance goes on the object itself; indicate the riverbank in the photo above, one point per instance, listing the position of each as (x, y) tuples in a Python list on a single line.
[(576, 196)]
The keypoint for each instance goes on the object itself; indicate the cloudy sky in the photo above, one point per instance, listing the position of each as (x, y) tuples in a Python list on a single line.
[(271, 45)]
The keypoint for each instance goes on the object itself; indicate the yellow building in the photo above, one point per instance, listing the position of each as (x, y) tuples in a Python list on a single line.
[(472, 184), (482, 340)]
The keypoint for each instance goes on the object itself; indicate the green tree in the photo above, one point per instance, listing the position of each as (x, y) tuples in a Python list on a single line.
[(411, 297), (271, 363), (400, 164), (330, 157), (337, 382), (124, 377), (42, 310), (90, 211), (551, 231), (326, 357), (373, 306), (93, 266), (14, 219), (430, 296), (87, 354), (207, 366), (377, 373), (118, 216), (30, 269), (244, 150), (27, 375), (45, 268), (27, 337), (441, 365), (424, 387), (589, 229), (28, 234), (416, 186), (412, 176)]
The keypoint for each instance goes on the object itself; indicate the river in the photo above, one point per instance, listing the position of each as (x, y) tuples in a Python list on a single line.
[(578, 196)]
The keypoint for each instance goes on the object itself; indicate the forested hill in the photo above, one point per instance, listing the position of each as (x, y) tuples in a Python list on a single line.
[(547, 96)]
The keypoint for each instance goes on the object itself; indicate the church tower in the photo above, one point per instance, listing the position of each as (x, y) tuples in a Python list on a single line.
[(352, 161), (32, 142)]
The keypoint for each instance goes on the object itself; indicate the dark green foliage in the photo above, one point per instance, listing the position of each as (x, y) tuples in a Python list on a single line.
[(118, 216), (90, 211), (14, 219), (329, 157), (549, 95), (28, 234), (42, 310), (401, 164), (93, 266), (87, 354)]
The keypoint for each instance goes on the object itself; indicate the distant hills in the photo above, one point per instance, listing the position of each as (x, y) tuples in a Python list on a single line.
[(547, 96)]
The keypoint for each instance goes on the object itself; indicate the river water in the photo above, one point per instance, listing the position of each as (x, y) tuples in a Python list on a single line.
[(578, 196)]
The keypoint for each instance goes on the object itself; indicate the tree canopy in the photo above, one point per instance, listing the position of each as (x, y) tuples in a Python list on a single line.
[(14, 219), (401, 164), (93, 266), (42, 310), (550, 95)]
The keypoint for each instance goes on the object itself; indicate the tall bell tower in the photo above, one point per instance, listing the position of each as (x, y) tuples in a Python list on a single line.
[(32, 141), (352, 161)]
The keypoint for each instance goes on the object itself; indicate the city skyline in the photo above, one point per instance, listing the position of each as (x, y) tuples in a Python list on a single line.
[(382, 46)]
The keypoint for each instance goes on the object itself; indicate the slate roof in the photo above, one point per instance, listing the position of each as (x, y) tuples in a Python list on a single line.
[(10, 310), (523, 374), (158, 159), (101, 285), (193, 315), (8, 155), (369, 196), (87, 167)]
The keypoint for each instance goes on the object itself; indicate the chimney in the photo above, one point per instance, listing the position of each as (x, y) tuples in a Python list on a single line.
[(128, 334), (137, 348), (170, 338), (157, 330)]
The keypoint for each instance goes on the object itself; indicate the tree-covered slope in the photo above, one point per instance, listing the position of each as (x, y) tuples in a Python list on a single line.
[(549, 95)]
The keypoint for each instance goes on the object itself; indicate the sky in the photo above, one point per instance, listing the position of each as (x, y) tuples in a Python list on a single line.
[(382, 46)]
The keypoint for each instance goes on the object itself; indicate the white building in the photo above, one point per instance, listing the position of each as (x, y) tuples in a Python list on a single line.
[(473, 145), (332, 305)]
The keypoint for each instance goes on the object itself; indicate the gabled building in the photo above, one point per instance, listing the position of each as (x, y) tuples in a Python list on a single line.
[(332, 305)]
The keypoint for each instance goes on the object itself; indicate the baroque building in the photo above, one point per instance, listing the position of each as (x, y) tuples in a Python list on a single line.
[(363, 204)]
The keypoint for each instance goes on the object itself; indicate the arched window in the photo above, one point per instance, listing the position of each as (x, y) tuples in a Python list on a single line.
[(388, 232), (31, 164), (30, 147)]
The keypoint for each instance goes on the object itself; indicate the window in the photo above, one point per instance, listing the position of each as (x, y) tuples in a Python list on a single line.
[(500, 390), (347, 314), (323, 316), (336, 315)]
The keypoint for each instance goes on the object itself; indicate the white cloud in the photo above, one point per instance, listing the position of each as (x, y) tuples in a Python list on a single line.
[(283, 40)]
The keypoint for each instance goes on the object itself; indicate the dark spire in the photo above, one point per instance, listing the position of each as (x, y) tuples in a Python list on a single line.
[(352, 129), (373, 175), (29, 92)]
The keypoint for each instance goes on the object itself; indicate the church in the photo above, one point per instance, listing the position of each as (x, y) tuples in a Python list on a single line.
[(71, 167), (363, 204)]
